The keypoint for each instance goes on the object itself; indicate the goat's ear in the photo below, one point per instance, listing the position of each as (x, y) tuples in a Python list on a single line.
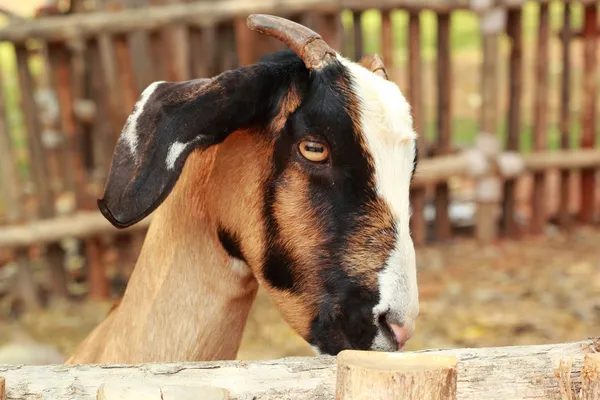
[(374, 63), (169, 121)]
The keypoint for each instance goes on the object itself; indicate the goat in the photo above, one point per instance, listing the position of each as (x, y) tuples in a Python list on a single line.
[(292, 173)]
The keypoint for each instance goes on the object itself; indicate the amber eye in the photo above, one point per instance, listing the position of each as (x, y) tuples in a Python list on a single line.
[(314, 151)]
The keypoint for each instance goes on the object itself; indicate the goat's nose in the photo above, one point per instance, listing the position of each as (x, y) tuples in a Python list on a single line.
[(402, 335), (400, 330)]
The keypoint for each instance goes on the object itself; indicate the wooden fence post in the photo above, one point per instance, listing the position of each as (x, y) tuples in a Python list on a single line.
[(358, 35), (26, 287), (540, 123), (387, 38), (418, 195), (244, 40), (590, 72), (10, 189), (363, 375), (514, 29), (331, 30), (98, 285), (488, 189), (2, 388), (444, 123), (565, 120)]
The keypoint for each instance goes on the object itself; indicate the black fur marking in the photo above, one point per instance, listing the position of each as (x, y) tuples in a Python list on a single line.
[(231, 243), (338, 193), (345, 316), (278, 269)]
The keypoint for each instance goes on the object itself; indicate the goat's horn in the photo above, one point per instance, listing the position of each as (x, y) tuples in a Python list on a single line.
[(307, 44), (374, 63)]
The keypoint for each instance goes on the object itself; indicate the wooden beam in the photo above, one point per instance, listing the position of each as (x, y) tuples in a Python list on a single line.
[(438, 169), (565, 159), (381, 376), (79, 225), (200, 14), (501, 373)]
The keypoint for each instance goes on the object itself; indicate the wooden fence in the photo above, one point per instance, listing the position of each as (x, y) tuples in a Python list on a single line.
[(79, 76), (549, 372)]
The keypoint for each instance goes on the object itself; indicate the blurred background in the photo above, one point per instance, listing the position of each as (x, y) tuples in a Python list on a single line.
[(506, 256)]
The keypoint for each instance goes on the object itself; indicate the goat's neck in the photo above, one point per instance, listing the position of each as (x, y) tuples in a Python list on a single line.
[(186, 299)]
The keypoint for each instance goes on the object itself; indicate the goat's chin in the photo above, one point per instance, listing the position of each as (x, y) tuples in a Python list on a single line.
[(316, 350), (383, 342)]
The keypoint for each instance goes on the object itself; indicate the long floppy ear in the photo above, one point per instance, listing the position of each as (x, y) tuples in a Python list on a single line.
[(170, 120)]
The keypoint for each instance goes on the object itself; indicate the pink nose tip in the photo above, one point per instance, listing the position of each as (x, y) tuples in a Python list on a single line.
[(402, 334)]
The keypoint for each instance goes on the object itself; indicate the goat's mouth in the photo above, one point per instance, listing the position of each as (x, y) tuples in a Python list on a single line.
[(388, 332), (395, 334)]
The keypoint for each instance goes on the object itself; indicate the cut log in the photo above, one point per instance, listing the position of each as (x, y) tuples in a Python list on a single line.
[(155, 392), (372, 375), (128, 392), (502, 373), (590, 377), (193, 393)]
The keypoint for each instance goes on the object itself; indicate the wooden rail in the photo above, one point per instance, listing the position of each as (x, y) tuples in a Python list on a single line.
[(202, 14), (79, 26), (501, 373), (81, 225)]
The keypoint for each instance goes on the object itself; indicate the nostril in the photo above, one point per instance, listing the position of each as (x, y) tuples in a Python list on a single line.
[(383, 319)]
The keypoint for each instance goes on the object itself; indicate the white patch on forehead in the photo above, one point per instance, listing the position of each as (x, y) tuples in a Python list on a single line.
[(174, 152), (390, 139), (130, 131)]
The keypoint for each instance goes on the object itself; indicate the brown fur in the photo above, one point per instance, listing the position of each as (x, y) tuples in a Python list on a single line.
[(184, 302), (183, 285), (370, 246)]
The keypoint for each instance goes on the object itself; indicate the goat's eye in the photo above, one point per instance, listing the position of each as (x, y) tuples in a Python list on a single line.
[(314, 151)]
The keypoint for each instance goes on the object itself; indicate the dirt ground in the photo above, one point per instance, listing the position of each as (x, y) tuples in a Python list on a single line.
[(534, 291)]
